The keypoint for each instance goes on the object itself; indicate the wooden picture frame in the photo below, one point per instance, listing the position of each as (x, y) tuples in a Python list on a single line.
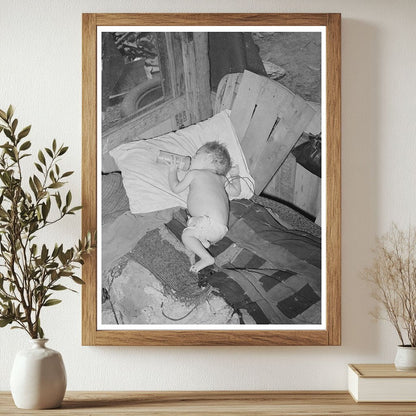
[(331, 334)]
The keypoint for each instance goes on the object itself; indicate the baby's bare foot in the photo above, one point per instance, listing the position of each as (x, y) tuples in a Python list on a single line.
[(201, 264)]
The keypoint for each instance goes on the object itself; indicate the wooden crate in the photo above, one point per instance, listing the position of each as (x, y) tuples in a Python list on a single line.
[(269, 119)]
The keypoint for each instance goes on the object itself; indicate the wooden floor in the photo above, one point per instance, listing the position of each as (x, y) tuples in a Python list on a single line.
[(212, 403)]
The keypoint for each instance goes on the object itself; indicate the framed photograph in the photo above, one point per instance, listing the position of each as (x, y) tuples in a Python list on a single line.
[(211, 172)]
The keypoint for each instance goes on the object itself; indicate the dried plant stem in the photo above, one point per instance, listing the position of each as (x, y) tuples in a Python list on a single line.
[(393, 276)]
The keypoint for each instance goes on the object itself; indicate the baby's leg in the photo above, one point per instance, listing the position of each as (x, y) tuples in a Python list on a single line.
[(193, 244)]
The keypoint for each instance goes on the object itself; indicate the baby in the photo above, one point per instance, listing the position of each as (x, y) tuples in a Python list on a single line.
[(208, 202)]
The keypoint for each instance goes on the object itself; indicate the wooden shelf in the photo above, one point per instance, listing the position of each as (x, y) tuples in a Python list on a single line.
[(318, 403)]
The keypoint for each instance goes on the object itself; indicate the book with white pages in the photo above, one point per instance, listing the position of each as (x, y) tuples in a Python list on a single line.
[(381, 383)]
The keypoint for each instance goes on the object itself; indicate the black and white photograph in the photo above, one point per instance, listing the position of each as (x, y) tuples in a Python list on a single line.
[(211, 175)]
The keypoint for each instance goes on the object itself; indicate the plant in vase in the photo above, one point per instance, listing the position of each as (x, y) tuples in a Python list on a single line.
[(393, 276), (31, 272)]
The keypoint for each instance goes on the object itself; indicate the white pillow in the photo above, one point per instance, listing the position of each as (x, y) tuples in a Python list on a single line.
[(146, 182)]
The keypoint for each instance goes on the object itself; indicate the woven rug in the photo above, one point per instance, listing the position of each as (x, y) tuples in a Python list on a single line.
[(169, 266)]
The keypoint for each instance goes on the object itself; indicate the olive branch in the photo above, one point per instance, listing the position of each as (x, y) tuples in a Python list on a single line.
[(31, 274)]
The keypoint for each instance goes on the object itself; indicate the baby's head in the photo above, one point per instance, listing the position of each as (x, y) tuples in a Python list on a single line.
[(218, 157)]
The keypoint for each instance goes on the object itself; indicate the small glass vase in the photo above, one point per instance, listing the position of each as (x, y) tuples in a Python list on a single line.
[(38, 377), (405, 358)]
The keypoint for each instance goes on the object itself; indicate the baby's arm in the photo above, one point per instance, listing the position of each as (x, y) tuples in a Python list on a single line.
[(174, 183), (233, 185)]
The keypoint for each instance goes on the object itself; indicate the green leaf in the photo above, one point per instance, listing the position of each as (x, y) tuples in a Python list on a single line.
[(33, 187), (34, 226), (54, 276), (10, 112), (34, 249), (44, 253), (76, 279), (39, 167), (4, 298), (63, 150), (59, 287), (67, 174), (45, 211), (77, 208), (58, 199), (25, 145), (14, 125), (54, 145), (56, 185), (40, 332), (3, 115), (8, 133), (60, 249), (37, 183), (55, 251), (68, 199), (49, 152), (24, 132), (62, 257), (41, 157), (51, 302), (5, 321)]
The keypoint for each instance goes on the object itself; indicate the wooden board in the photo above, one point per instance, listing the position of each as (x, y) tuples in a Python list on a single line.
[(274, 150), (202, 76), (221, 403), (282, 185), (172, 47), (307, 191), (196, 75), (189, 71), (132, 129), (269, 119), (270, 108), (315, 125), (294, 184), (245, 102), (226, 92)]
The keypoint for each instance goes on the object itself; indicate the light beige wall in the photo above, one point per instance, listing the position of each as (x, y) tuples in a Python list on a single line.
[(40, 73)]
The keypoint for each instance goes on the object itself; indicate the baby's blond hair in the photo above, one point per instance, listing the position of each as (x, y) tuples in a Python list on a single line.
[(219, 154)]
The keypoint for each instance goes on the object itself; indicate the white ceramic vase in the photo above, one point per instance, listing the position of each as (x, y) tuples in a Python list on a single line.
[(38, 377), (405, 358)]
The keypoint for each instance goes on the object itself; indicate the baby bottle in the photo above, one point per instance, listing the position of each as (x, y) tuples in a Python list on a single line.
[(182, 162)]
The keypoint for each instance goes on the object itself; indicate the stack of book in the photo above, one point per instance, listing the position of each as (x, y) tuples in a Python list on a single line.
[(381, 383)]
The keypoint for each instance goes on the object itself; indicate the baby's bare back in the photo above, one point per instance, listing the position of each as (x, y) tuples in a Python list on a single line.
[(207, 196)]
